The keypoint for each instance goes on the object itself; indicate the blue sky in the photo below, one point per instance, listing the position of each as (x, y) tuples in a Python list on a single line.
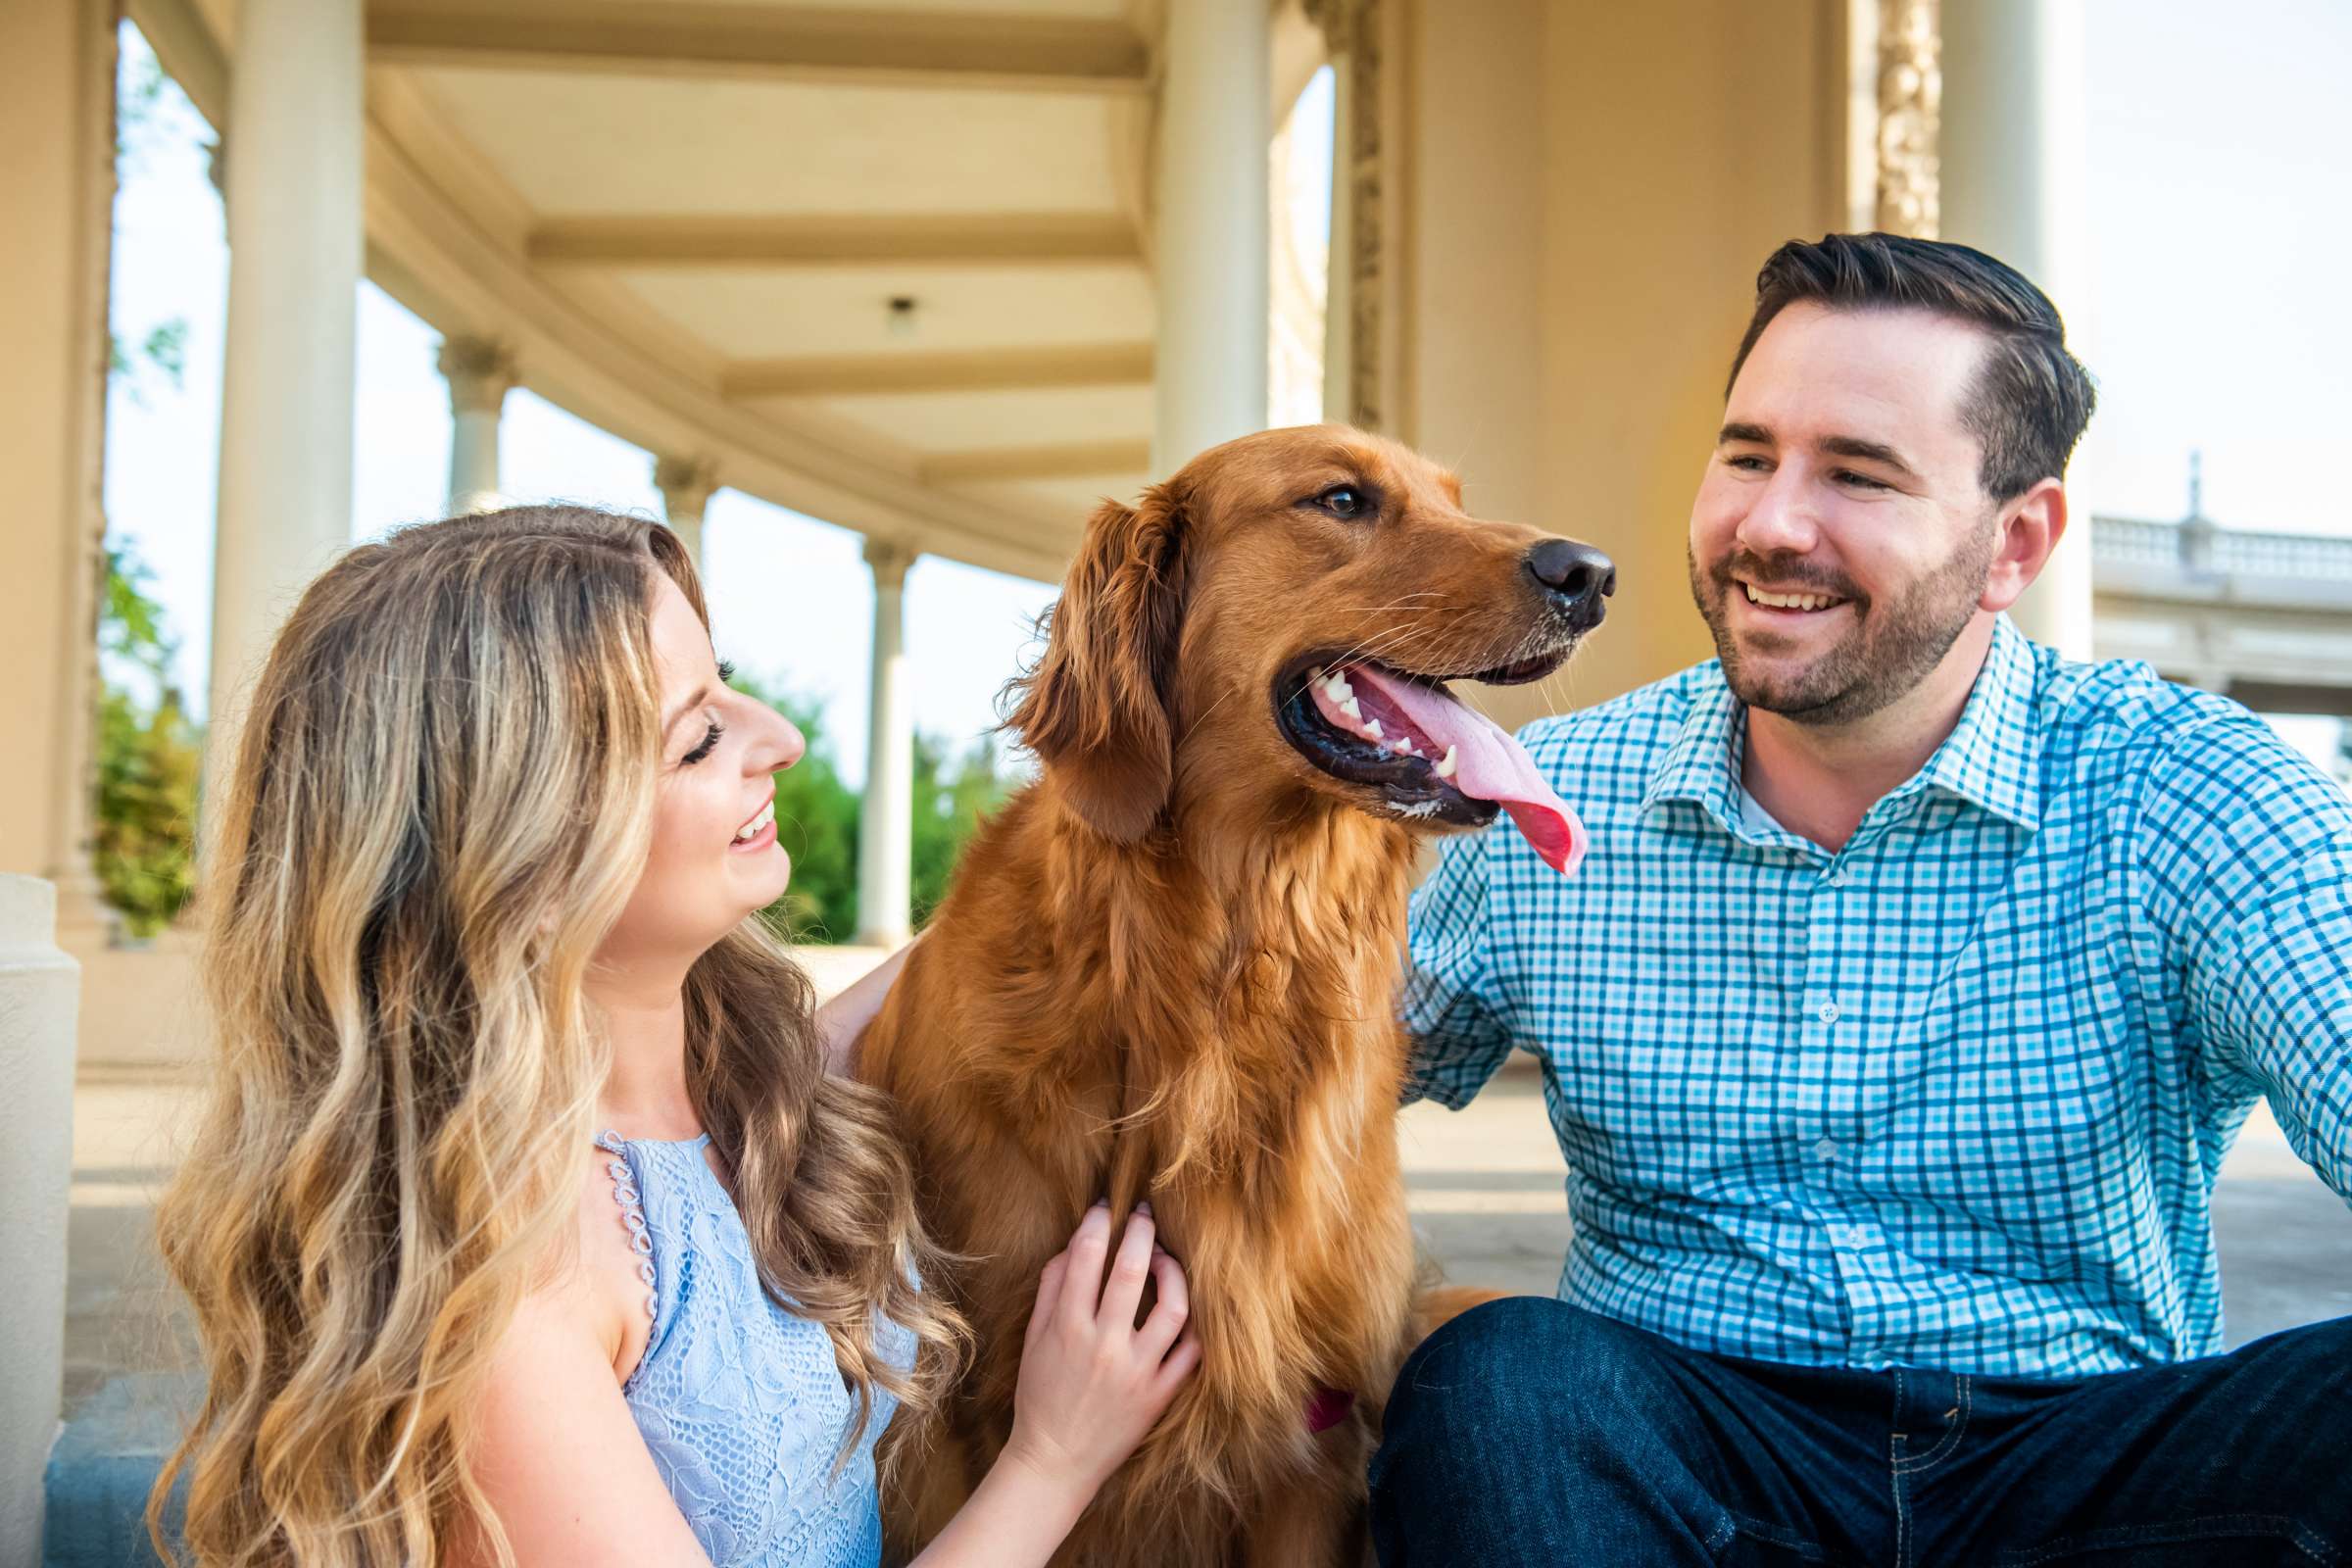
[(2217, 139)]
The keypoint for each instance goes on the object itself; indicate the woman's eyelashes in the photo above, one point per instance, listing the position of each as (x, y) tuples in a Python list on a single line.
[(710, 735), (710, 742)]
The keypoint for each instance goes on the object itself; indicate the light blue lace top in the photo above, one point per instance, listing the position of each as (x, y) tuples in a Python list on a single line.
[(741, 1401)]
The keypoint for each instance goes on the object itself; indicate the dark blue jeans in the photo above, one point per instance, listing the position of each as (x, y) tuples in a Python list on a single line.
[(1532, 1432)]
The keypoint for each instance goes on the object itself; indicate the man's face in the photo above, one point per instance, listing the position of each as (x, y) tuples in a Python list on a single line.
[(1839, 542)]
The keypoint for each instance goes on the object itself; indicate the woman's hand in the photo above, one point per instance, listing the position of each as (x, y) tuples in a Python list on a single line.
[(1091, 1383)]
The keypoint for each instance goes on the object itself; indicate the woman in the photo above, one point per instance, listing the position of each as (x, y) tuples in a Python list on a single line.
[(528, 1225)]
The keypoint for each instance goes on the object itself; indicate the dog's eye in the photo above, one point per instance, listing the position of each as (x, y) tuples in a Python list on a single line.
[(1341, 500)]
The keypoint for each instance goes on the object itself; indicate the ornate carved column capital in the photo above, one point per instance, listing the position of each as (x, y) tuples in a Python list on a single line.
[(686, 485), (1910, 117), (1335, 19), (480, 372), (890, 558)]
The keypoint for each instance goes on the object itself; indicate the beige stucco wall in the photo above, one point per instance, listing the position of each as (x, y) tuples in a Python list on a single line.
[(51, 359), (1594, 187)]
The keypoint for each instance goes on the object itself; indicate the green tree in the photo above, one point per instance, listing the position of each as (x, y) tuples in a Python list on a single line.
[(148, 757), (951, 793), (146, 752)]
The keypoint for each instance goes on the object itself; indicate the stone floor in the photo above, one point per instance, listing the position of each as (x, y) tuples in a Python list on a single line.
[(1486, 1186)]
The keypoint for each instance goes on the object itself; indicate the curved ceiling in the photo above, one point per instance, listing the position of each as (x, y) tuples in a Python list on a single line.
[(885, 263)]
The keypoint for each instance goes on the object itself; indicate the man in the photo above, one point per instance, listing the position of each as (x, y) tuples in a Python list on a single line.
[(1897, 1026)]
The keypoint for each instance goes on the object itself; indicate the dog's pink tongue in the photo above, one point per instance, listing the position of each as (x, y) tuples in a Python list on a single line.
[(1488, 764)]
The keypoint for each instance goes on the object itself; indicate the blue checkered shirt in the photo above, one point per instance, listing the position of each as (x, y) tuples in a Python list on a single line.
[(1953, 1097)]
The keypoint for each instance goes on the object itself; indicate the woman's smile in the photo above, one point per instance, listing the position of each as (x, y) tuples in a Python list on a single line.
[(759, 832)]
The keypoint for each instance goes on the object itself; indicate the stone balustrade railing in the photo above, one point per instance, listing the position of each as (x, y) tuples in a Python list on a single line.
[(2198, 548)]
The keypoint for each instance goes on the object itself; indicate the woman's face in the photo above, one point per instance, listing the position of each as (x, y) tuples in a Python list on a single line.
[(714, 856)]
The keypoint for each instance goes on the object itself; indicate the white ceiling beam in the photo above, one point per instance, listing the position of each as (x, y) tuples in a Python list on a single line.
[(979, 370), (1009, 239), (189, 52), (934, 49), (1076, 459), (656, 392)]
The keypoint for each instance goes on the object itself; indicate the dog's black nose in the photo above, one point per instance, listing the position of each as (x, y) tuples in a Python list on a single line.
[(1578, 575)]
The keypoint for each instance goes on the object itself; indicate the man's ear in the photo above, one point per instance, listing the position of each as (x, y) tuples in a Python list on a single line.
[(2031, 529), (1095, 707)]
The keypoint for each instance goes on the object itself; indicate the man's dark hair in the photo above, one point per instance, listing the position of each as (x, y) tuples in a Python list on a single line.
[(2031, 399)]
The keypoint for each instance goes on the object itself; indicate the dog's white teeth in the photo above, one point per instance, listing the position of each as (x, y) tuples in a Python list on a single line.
[(1372, 728), (1446, 765), (1408, 748), (1315, 673), (1336, 685), (1353, 708)]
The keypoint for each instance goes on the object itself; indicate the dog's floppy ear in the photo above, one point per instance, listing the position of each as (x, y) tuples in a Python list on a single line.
[(1094, 707)]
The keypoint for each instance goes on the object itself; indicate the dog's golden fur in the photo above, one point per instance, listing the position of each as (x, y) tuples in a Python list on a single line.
[(1166, 970)]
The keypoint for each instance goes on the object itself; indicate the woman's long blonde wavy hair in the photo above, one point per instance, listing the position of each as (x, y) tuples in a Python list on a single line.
[(442, 797)]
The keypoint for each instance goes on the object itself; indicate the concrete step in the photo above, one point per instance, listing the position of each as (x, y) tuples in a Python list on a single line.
[(104, 1465)]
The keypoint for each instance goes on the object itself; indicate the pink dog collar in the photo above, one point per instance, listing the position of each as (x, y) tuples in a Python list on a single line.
[(1327, 1408)]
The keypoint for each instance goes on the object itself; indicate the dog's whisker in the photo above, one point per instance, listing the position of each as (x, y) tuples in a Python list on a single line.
[(1389, 643), (1393, 603), (1203, 716), (1350, 656)]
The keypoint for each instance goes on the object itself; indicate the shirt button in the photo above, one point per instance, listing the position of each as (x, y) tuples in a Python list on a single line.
[(1826, 1012), (1836, 877), (1827, 1149)]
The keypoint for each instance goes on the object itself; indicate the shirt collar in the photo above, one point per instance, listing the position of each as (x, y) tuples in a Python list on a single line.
[(1993, 758), (1703, 763)]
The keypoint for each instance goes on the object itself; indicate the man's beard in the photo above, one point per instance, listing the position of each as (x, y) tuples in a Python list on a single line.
[(1888, 650)]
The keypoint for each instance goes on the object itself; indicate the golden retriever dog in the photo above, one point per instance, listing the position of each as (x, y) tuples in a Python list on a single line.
[(1168, 968)]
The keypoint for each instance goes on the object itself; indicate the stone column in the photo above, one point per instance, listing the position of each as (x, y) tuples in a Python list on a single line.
[(2011, 177), (294, 244), (686, 484), (1365, 311), (480, 372), (39, 991), (56, 187), (886, 827), (1908, 82), (1211, 228)]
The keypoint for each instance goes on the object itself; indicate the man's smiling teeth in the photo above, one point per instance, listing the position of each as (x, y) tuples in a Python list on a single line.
[(1757, 596), (761, 819)]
